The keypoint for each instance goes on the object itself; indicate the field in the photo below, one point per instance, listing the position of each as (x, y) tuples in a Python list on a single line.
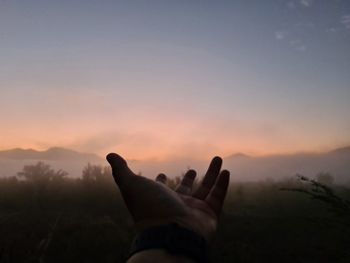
[(45, 217)]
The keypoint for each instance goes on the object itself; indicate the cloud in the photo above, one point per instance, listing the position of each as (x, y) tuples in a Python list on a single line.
[(291, 5), (98, 143), (306, 3), (301, 48), (332, 30), (345, 20), (305, 24), (295, 4), (280, 35), (298, 45)]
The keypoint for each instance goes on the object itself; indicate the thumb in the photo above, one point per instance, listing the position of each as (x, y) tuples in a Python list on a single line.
[(120, 169)]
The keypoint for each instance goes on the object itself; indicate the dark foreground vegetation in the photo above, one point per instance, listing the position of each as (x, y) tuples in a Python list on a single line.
[(47, 217)]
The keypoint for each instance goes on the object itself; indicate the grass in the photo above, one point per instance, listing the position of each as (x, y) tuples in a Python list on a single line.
[(85, 220)]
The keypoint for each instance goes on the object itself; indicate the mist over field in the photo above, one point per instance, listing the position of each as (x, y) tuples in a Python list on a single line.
[(47, 215), (243, 167), (279, 208)]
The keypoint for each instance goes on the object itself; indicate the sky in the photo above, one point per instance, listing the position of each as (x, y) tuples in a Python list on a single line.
[(173, 79)]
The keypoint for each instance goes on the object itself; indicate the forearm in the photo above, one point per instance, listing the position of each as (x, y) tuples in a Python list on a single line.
[(157, 255)]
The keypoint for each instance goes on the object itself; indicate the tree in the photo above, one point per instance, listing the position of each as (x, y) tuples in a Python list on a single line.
[(41, 173), (97, 174), (40, 176), (325, 178)]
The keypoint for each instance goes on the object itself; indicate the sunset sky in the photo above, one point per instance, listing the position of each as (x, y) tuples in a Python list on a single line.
[(166, 79)]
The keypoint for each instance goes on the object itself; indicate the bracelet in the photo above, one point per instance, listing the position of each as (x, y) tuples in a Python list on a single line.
[(174, 239)]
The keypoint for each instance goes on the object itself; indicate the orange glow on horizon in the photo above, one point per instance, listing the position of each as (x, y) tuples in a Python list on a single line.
[(144, 132)]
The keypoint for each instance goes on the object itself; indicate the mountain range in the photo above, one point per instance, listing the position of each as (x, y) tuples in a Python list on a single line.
[(13, 160), (52, 154), (243, 167), (335, 162)]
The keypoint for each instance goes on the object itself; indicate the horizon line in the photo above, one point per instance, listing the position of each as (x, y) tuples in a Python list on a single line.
[(154, 158)]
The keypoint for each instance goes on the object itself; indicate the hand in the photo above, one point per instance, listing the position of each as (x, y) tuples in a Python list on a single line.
[(152, 203)]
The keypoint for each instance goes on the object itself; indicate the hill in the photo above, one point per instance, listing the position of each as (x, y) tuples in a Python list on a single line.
[(336, 162), (342, 150), (243, 167), (53, 154), (12, 161)]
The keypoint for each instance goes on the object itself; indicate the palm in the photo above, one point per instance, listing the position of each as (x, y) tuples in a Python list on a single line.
[(153, 203)]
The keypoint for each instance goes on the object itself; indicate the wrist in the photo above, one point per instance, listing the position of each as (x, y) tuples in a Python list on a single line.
[(205, 228), (158, 255), (175, 240)]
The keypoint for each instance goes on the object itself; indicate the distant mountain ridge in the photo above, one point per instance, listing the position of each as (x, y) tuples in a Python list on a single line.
[(60, 153), (243, 167), (73, 162), (238, 155), (51, 154), (342, 150), (336, 162)]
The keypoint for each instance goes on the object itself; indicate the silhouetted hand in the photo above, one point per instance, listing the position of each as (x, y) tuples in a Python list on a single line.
[(152, 203)]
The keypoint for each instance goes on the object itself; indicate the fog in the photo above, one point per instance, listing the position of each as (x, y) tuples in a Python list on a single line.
[(242, 167)]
